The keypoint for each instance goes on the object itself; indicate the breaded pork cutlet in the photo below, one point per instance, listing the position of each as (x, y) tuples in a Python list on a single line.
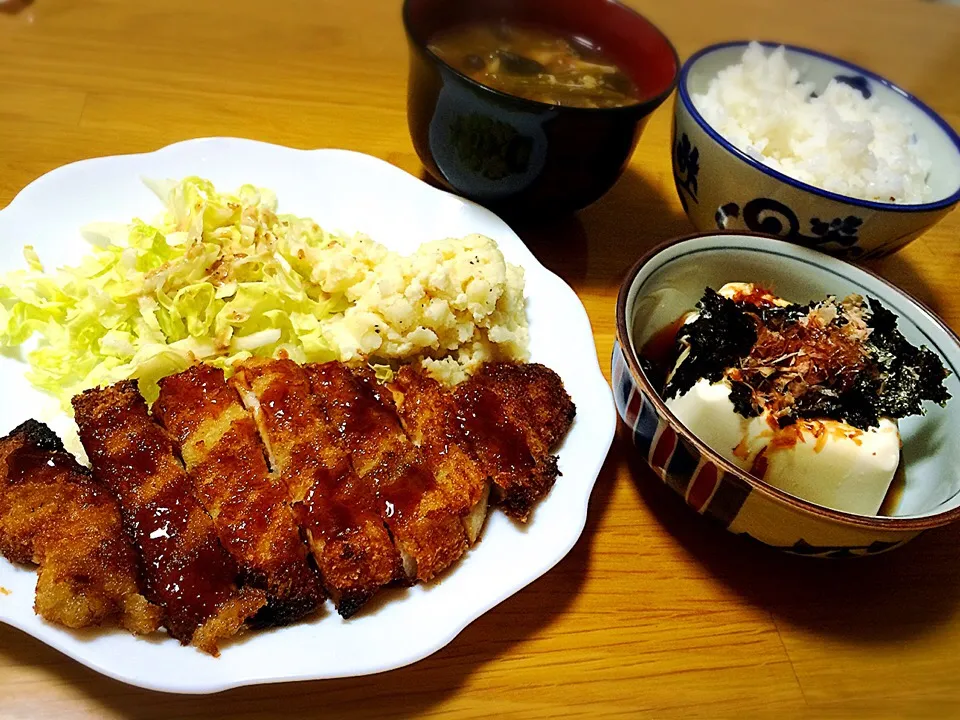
[(349, 541), (53, 514), (409, 499), (428, 411), (185, 568), (221, 448), (513, 415), (533, 395)]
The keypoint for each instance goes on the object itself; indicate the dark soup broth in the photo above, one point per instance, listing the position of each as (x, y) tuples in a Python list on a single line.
[(535, 63)]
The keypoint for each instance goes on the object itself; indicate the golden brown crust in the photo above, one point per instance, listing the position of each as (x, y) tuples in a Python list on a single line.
[(534, 395), (221, 448), (53, 514), (409, 499), (185, 568), (350, 543), (513, 415), (229, 619), (374, 476), (428, 412)]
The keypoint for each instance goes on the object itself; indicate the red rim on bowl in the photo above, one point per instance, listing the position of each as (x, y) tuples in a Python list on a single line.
[(640, 378), (635, 44)]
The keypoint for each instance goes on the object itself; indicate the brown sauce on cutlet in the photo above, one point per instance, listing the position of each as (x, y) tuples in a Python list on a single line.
[(191, 582), (323, 513), (229, 482), (25, 463), (484, 422), (360, 416), (353, 407), (279, 400), (231, 479), (401, 483), (401, 486), (196, 388), (190, 575), (139, 455), (277, 393)]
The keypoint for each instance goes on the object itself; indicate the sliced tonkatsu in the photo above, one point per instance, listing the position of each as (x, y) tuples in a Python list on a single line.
[(428, 411), (350, 543), (221, 448), (247, 501), (429, 535), (185, 568), (534, 397), (53, 514), (513, 415)]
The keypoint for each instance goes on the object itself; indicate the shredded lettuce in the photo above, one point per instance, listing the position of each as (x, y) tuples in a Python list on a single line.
[(218, 277)]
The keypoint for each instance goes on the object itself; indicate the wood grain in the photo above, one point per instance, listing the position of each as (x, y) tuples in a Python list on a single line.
[(653, 613)]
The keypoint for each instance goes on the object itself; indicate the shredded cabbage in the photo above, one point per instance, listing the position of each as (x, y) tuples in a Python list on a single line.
[(218, 277)]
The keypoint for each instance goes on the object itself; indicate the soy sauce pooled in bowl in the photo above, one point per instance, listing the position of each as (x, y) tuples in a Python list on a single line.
[(535, 63)]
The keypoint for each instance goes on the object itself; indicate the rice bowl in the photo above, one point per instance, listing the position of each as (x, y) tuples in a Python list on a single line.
[(722, 186), (842, 139)]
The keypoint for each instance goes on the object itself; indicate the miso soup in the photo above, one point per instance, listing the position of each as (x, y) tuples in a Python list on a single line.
[(535, 63)]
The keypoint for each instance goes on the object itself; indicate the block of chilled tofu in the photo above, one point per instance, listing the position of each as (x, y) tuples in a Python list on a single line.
[(823, 460)]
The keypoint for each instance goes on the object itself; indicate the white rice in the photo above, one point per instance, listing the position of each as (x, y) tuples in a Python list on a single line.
[(839, 141)]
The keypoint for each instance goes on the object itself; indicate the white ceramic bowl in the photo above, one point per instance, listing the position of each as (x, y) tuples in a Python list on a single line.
[(721, 187), (668, 282)]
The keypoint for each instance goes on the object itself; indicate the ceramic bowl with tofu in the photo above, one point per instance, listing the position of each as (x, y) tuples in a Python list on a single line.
[(836, 491)]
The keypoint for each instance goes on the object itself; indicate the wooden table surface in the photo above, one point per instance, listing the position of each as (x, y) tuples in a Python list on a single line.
[(653, 611)]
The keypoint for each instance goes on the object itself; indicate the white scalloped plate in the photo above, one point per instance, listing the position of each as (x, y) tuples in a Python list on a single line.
[(351, 192)]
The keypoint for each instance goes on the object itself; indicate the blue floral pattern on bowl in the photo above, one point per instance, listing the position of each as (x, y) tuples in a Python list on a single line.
[(686, 167), (728, 179), (857, 82), (766, 215), (802, 547)]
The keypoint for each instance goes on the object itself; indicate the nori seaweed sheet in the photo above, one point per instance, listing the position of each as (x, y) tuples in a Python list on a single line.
[(898, 379)]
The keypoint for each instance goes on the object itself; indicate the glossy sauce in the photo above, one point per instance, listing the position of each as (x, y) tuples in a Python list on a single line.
[(401, 485), (189, 574), (356, 420), (27, 464), (891, 501), (288, 413), (324, 511), (196, 390), (484, 422), (231, 478), (373, 435), (280, 400), (535, 63), (191, 580), (403, 480), (661, 348), (330, 502)]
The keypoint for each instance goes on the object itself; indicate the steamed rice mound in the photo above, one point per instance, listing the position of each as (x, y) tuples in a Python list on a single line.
[(838, 141)]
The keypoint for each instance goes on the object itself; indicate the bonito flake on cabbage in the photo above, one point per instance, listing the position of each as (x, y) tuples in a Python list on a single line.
[(220, 277)]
